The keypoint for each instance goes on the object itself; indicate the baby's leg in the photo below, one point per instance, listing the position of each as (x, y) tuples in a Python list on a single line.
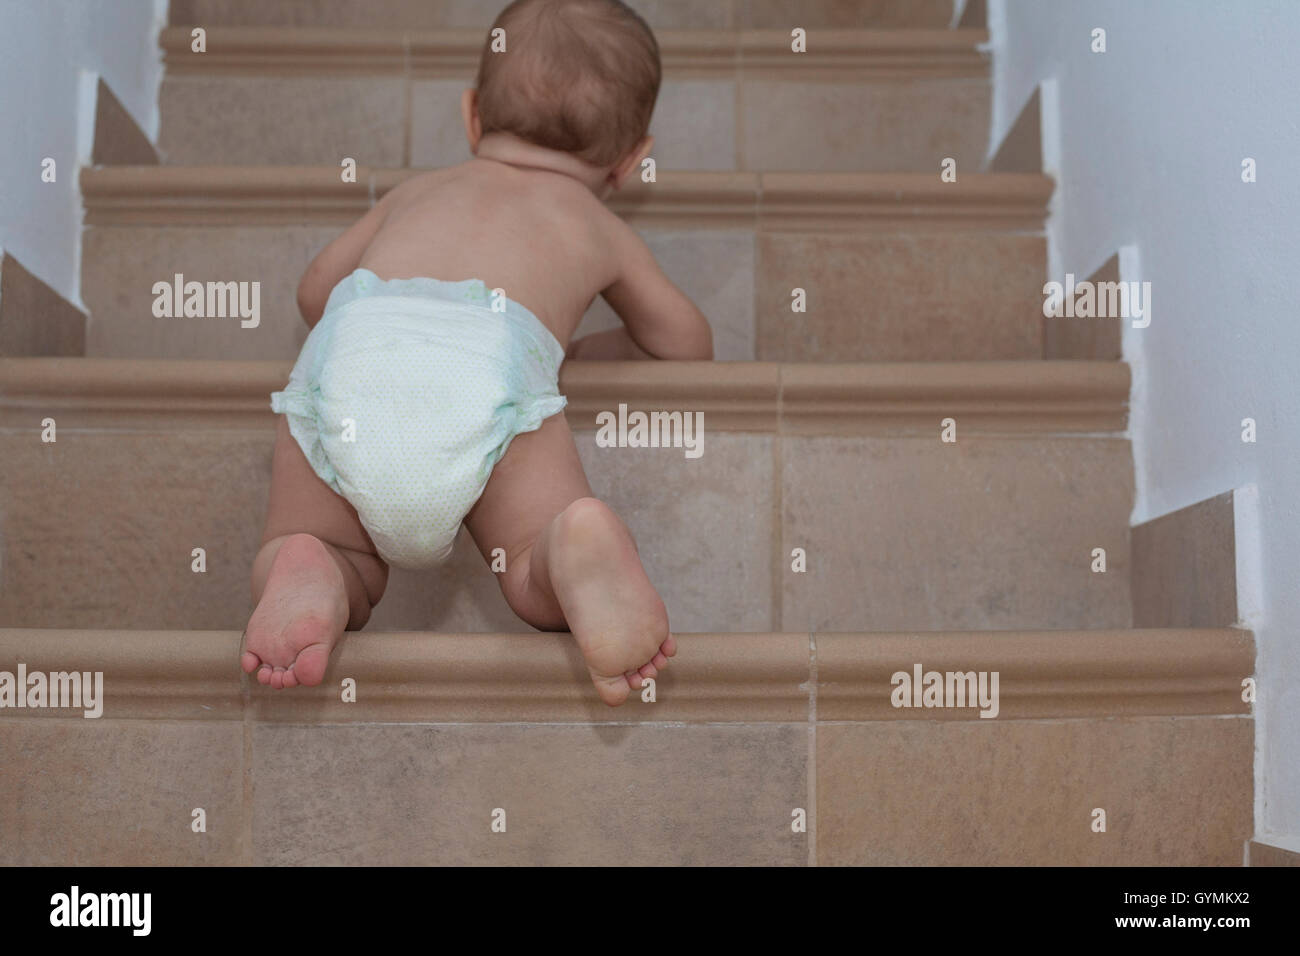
[(570, 561), (316, 574)]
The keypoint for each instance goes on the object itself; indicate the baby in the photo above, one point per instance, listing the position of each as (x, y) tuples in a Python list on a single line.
[(419, 403)]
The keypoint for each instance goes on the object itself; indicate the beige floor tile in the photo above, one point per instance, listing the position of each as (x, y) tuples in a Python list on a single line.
[(683, 14), (572, 795), (714, 268), (100, 527), (461, 597), (1176, 791), (120, 265), (437, 131), (282, 120), (787, 14), (677, 509), (900, 297), (873, 126), (417, 14), (708, 582), (694, 125), (374, 14), (984, 533), (120, 793)]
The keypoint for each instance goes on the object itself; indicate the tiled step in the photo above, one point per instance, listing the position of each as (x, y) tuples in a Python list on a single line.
[(860, 100), (900, 529), (660, 14), (897, 267), (745, 731)]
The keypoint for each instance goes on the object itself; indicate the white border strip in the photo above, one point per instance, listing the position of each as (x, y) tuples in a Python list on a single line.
[(1133, 350)]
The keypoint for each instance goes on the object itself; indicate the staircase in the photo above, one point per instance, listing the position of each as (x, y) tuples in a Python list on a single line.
[(823, 451)]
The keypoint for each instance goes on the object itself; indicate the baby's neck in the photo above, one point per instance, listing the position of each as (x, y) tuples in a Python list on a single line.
[(513, 151)]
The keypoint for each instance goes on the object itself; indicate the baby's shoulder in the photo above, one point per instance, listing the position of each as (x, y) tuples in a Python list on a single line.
[(412, 184)]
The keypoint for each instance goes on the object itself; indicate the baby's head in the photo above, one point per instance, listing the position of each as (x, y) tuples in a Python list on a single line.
[(576, 76)]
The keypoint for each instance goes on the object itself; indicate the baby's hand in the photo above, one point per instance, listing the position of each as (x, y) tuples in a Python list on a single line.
[(659, 320)]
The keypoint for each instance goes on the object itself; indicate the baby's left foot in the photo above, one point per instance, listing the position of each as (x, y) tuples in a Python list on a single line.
[(302, 613), (614, 613)]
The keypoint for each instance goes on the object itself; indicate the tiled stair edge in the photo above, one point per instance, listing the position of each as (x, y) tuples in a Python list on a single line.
[(1021, 149), (35, 320), (1185, 565), (820, 202), (840, 54), (716, 677), (118, 139), (1263, 853), (893, 398)]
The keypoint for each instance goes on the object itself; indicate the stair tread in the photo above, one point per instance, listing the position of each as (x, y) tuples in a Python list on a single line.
[(725, 102), (213, 195), (337, 49), (843, 460), (951, 270), (814, 14), (435, 677), (1056, 397)]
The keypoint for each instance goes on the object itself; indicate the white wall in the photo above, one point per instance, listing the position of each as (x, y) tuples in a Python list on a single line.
[(50, 52), (1151, 138)]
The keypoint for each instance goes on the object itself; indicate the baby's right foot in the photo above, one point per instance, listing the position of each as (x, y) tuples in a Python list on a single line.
[(613, 611), (302, 613)]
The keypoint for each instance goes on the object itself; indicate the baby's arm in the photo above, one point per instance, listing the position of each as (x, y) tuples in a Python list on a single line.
[(337, 261), (609, 344), (661, 321)]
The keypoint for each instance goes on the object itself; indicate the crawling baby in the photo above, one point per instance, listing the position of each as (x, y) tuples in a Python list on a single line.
[(426, 394)]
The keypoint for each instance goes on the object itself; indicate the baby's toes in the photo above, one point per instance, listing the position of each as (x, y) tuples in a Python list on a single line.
[(612, 690), (648, 671), (290, 679), (264, 674), (669, 647), (249, 662), (659, 661), (309, 666)]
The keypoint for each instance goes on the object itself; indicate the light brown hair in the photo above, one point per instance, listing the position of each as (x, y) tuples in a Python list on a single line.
[(579, 76)]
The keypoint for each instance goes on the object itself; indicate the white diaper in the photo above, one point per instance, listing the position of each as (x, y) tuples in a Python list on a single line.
[(405, 396)]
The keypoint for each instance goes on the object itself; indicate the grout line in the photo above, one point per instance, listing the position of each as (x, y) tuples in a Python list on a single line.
[(738, 105), (307, 722), (407, 107), (1107, 719), (811, 809), (777, 600), (246, 828)]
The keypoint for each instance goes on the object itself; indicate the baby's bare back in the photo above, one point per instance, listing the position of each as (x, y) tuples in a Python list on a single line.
[(540, 236)]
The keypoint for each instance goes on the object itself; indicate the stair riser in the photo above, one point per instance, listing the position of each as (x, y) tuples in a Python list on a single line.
[(783, 123), (660, 14), (900, 533), (1175, 791), (885, 297)]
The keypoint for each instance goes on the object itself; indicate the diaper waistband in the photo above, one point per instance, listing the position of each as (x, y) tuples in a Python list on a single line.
[(364, 284)]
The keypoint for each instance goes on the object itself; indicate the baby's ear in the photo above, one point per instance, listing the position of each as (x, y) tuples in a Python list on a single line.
[(469, 115), (630, 163)]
